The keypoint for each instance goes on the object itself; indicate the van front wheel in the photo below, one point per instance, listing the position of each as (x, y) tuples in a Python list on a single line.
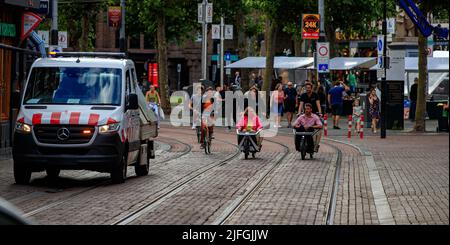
[(22, 175)]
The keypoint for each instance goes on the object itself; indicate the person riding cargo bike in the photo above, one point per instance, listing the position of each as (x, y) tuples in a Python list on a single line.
[(306, 127), (248, 132)]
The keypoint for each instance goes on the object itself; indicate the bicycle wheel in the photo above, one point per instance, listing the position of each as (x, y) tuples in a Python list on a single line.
[(198, 134), (206, 142), (246, 149), (303, 147)]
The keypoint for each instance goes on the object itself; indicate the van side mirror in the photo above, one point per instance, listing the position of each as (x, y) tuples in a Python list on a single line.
[(132, 102), (15, 100)]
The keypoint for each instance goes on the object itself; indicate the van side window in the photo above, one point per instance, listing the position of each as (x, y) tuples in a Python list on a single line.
[(133, 88), (128, 82), (135, 81)]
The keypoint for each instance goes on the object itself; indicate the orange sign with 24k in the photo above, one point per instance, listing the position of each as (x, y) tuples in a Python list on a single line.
[(310, 26)]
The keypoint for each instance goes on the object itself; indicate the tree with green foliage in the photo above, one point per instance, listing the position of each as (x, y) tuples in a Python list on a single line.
[(168, 20), (353, 17), (427, 7)]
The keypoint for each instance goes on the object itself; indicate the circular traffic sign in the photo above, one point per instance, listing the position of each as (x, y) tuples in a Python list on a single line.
[(323, 51)]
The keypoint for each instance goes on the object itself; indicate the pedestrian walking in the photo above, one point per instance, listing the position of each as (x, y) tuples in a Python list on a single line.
[(413, 99), (352, 83), (277, 102), (357, 112), (335, 99), (237, 81), (322, 98), (290, 101), (374, 110)]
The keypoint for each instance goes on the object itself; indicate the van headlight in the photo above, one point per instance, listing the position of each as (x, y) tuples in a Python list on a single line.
[(109, 128), (23, 128)]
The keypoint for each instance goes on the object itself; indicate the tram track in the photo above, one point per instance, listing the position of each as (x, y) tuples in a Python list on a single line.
[(242, 200), (186, 151), (175, 189)]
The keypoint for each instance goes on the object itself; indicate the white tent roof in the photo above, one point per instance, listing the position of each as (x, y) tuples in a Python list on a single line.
[(280, 63), (438, 64), (434, 64), (440, 54), (348, 63)]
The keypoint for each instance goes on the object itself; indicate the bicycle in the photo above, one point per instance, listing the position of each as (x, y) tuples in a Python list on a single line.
[(304, 145), (207, 138), (247, 144)]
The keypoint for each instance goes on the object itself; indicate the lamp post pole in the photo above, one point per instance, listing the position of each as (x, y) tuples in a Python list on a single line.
[(204, 41), (384, 88), (54, 31), (122, 42)]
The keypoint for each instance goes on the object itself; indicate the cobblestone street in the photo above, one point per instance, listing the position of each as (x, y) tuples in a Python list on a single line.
[(185, 186)]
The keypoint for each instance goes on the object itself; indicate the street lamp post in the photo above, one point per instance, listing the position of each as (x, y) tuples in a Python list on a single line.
[(122, 43), (222, 34), (54, 32), (384, 89), (204, 40)]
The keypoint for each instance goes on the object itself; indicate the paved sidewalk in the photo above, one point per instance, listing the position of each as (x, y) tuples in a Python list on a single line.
[(414, 173)]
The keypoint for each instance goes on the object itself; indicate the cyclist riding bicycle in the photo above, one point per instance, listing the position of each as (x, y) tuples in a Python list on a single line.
[(207, 115), (153, 100), (308, 122)]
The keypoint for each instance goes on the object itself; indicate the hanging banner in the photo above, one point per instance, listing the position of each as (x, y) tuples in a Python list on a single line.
[(215, 29), (29, 22), (153, 74), (310, 26), (114, 16)]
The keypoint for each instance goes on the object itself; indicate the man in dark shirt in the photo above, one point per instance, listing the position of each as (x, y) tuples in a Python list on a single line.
[(310, 97), (413, 98)]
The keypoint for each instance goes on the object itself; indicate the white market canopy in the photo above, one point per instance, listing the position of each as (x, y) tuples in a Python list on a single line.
[(434, 64), (349, 63), (281, 62), (439, 64)]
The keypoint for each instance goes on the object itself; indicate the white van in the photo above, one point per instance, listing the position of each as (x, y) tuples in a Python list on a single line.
[(83, 111)]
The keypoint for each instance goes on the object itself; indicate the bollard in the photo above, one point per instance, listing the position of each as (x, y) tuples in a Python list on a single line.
[(349, 127), (361, 127), (325, 125)]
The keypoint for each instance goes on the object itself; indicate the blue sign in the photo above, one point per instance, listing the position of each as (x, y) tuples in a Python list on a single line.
[(380, 45), (227, 56), (323, 67)]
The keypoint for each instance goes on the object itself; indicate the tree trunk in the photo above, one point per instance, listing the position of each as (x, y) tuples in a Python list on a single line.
[(331, 37), (270, 42), (162, 61), (298, 45), (84, 44), (422, 85)]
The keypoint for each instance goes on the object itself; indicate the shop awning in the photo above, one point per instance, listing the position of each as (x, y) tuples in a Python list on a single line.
[(439, 64), (349, 63), (280, 63), (434, 64)]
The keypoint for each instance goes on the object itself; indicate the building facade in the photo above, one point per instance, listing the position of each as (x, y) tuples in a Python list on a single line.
[(15, 58)]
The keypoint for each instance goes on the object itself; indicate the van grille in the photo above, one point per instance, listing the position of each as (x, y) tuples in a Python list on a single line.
[(48, 134)]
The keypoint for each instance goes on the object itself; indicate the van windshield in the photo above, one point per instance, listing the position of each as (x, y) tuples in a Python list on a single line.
[(74, 85)]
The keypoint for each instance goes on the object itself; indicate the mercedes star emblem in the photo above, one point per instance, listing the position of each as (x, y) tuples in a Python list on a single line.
[(63, 134)]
